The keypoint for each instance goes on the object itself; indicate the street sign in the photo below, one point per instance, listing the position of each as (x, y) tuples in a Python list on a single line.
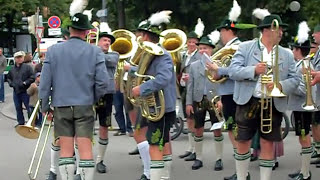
[(39, 32), (102, 13), (54, 22), (54, 31)]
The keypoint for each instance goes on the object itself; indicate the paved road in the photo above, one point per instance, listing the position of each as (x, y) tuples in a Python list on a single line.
[(16, 153)]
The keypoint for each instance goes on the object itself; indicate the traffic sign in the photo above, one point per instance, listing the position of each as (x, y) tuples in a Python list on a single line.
[(54, 31), (102, 13), (39, 32), (54, 22)]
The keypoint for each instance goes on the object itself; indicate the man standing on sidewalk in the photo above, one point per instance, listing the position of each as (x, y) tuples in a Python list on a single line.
[(3, 65), (19, 78)]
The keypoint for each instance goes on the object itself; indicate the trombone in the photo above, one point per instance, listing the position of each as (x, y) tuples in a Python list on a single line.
[(266, 97), (30, 132), (93, 34)]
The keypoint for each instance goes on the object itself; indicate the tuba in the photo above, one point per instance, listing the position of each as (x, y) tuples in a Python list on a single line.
[(266, 99), (153, 105), (223, 59), (125, 44)]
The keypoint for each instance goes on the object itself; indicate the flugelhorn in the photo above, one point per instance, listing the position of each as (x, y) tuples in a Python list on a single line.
[(307, 77)]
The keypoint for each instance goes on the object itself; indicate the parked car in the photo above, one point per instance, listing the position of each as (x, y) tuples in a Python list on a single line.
[(10, 63)]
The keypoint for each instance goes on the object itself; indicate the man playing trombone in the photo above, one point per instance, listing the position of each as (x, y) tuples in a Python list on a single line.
[(248, 65), (84, 72)]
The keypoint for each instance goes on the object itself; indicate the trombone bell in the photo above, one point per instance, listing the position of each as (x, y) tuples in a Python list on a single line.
[(29, 132)]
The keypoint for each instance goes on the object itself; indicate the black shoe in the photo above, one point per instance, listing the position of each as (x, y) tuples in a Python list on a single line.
[(186, 154), (316, 161), (101, 168), (248, 177), (300, 177), (218, 166), (197, 164), (77, 177), (119, 133), (275, 166), (315, 155), (52, 176), (191, 157), (134, 152), (143, 177), (293, 175), (233, 177)]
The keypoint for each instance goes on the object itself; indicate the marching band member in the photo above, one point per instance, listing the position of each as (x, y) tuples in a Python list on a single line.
[(316, 120), (198, 100), (228, 35), (104, 106), (246, 68), (302, 117), (84, 72), (189, 56), (162, 69)]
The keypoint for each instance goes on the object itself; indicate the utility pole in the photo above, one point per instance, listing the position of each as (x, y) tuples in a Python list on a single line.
[(104, 6)]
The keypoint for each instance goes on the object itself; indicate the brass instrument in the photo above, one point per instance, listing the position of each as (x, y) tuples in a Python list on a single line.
[(93, 34), (218, 112), (223, 59), (151, 108), (266, 97), (307, 77), (125, 44), (30, 132)]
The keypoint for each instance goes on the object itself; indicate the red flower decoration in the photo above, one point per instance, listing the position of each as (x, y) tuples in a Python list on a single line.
[(232, 24)]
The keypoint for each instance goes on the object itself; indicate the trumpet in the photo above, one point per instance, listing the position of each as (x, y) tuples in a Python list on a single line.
[(309, 104), (30, 132), (218, 112), (266, 98)]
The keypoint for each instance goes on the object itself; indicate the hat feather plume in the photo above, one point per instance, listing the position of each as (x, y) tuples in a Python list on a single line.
[(214, 36), (303, 32), (199, 28), (160, 17), (260, 13), (77, 6), (143, 23), (235, 11), (88, 13), (104, 27)]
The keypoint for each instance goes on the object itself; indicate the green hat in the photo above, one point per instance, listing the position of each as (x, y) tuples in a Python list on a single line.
[(156, 23), (266, 23), (206, 41), (106, 34), (317, 28), (81, 22), (192, 34), (151, 28), (227, 24), (305, 45)]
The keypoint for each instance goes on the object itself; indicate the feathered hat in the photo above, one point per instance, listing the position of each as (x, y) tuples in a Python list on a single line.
[(198, 30), (105, 31), (78, 19), (267, 18), (211, 39), (302, 39), (155, 23)]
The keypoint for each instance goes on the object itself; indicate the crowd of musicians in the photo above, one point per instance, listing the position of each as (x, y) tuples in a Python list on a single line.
[(247, 86)]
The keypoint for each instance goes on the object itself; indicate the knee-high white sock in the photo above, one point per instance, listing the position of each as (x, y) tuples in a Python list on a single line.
[(66, 167), (55, 153), (167, 167), (317, 147), (156, 170), (143, 148), (242, 165), (77, 157), (218, 141), (191, 142), (86, 169), (266, 169), (198, 146), (305, 161), (102, 146)]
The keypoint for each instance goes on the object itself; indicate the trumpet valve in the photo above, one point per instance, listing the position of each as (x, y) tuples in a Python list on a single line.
[(265, 79)]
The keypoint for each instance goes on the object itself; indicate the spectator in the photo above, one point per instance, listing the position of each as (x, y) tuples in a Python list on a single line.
[(124, 126), (33, 93), (28, 59), (3, 65), (19, 78), (38, 67)]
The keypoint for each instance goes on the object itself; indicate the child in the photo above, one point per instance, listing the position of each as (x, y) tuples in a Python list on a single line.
[(33, 93)]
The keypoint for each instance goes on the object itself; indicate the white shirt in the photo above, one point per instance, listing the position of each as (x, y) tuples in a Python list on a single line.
[(189, 56), (231, 41), (266, 57)]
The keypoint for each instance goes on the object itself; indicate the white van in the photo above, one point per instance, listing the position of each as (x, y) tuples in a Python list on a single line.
[(45, 43)]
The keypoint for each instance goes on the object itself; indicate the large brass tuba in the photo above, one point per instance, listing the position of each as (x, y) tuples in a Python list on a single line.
[(153, 105), (266, 99), (223, 59), (125, 44)]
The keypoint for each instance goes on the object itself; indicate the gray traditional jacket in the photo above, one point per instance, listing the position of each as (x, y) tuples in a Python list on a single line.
[(111, 60), (74, 73), (242, 70)]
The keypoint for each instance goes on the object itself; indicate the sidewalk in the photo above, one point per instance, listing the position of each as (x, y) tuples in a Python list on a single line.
[(7, 108)]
